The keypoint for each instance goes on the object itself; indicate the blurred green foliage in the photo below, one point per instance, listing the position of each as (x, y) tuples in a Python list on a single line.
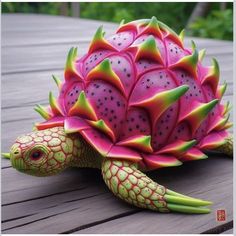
[(31, 7), (218, 24), (174, 15)]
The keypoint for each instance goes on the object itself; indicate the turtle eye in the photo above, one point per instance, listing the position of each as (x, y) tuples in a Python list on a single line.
[(35, 155)]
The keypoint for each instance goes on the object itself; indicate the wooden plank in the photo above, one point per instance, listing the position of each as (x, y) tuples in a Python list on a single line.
[(28, 89), (230, 231), (48, 30), (203, 181)]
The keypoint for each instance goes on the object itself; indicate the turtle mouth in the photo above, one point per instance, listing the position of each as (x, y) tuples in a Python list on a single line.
[(18, 163)]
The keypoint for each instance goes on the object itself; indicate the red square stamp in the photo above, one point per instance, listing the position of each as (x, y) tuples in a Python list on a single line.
[(220, 215)]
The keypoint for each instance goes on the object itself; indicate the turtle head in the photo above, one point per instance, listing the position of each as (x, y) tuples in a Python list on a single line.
[(44, 153)]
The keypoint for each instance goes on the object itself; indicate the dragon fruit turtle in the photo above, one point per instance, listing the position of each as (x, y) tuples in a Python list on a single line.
[(137, 101)]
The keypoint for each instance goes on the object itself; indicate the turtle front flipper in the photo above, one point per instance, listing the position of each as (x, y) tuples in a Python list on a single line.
[(133, 186)]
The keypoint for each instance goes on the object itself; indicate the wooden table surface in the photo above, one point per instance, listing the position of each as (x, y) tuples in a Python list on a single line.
[(77, 201)]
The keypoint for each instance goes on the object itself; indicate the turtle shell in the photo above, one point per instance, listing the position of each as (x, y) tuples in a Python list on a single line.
[(141, 95)]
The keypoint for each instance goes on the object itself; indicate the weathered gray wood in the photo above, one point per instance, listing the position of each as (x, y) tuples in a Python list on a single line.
[(45, 207), (34, 47), (47, 30), (230, 231)]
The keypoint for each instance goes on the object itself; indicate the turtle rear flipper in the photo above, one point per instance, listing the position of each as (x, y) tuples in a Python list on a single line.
[(133, 186), (227, 147)]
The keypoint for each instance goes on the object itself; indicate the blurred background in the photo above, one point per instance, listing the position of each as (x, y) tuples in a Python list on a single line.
[(207, 20)]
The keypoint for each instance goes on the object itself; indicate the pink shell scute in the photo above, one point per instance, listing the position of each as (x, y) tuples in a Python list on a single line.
[(71, 94), (137, 122), (174, 52), (150, 83), (108, 103), (122, 66), (121, 40), (164, 126), (94, 59)]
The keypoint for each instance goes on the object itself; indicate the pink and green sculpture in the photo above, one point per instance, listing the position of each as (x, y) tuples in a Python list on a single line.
[(137, 101)]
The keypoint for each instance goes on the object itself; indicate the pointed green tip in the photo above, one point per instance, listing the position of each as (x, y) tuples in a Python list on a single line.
[(42, 111), (6, 155), (51, 98), (82, 98), (75, 52), (216, 66), (150, 43), (122, 22), (71, 57), (100, 124), (99, 33), (194, 55), (202, 54), (186, 201), (153, 20), (57, 81), (188, 209), (176, 93), (181, 35), (192, 142), (147, 139), (181, 90), (193, 45), (105, 65), (212, 104)]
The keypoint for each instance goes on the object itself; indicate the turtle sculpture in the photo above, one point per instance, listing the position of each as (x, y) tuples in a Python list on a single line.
[(137, 101)]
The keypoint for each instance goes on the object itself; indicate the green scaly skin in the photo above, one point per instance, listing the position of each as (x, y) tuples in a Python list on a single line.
[(57, 149), (227, 148), (50, 151)]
